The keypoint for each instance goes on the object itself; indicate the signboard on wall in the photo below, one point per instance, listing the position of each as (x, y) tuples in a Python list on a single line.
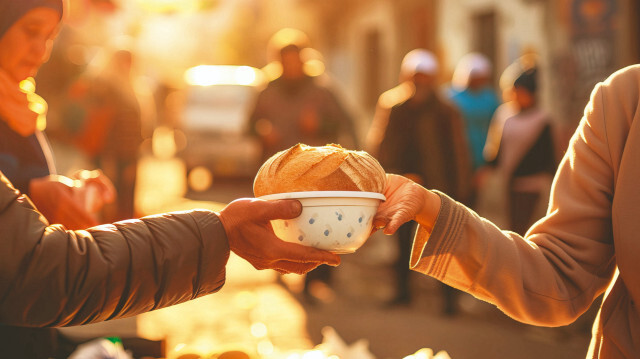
[(590, 56), (593, 41)]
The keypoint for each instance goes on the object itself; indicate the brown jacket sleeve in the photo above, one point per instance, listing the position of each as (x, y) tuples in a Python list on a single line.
[(552, 275), (50, 276)]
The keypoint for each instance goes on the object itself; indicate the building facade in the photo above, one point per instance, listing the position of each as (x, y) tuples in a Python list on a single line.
[(579, 42)]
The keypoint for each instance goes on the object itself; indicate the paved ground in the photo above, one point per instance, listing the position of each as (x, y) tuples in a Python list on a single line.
[(264, 314)]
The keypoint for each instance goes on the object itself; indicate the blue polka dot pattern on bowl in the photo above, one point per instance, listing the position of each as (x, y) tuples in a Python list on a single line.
[(341, 225)]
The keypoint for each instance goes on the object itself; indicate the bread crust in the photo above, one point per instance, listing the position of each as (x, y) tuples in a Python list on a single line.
[(323, 168)]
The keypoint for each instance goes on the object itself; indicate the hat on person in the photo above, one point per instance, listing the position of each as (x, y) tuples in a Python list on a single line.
[(419, 61), (470, 66), (12, 10)]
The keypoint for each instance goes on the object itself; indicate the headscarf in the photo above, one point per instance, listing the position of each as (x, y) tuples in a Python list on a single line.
[(12, 10), (522, 72), (20, 107)]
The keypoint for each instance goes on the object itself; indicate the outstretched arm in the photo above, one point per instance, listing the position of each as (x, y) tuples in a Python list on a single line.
[(51, 276), (551, 275)]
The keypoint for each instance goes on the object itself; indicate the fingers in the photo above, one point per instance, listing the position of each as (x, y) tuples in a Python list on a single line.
[(398, 218), (73, 216), (393, 226), (252, 239), (285, 264), (298, 253), (107, 189), (96, 177), (380, 220), (385, 215), (378, 224), (287, 267)]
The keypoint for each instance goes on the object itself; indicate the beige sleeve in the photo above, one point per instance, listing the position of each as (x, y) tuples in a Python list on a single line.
[(552, 275)]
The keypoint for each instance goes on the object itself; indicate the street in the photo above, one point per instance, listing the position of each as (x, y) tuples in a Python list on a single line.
[(520, 110), (264, 314)]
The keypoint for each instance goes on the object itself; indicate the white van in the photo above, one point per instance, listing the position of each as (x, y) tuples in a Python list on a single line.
[(214, 119)]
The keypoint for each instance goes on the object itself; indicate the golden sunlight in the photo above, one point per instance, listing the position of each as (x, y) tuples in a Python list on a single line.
[(169, 5), (208, 75)]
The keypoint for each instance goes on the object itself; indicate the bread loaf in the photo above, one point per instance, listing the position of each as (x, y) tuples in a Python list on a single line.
[(325, 168)]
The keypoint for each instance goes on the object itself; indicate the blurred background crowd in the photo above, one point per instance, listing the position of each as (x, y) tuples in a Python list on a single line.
[(477, 98), (193, 69)]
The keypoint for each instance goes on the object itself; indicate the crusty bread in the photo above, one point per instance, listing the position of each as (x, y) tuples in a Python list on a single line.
[(324, 168)]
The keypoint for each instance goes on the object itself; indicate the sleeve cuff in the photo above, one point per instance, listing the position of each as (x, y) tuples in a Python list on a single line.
[(432, 251), (214, 255)]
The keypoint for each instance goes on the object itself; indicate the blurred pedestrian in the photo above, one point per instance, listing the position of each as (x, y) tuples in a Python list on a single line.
[(522, 148), (418, 134), (490, 199), (297, 108), (472, 93), (110, 125), (586, 245), (27, 29)]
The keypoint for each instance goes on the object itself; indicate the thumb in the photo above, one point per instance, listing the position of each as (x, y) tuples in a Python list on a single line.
[(282, 209), (379, 222)]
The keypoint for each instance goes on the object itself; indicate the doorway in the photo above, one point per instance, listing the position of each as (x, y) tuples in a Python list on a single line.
[(484, 37)]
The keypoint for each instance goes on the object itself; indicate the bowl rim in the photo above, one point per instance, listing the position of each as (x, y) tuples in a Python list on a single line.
[(324, 194)]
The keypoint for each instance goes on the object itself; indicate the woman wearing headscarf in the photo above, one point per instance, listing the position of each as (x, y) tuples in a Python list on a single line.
[(27, 30), (522, 148)]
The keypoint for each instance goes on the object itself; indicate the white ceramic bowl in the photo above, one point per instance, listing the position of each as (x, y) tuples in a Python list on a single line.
[(337, 221)]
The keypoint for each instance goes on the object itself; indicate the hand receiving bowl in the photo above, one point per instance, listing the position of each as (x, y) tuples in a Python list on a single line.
[(337, 221)]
